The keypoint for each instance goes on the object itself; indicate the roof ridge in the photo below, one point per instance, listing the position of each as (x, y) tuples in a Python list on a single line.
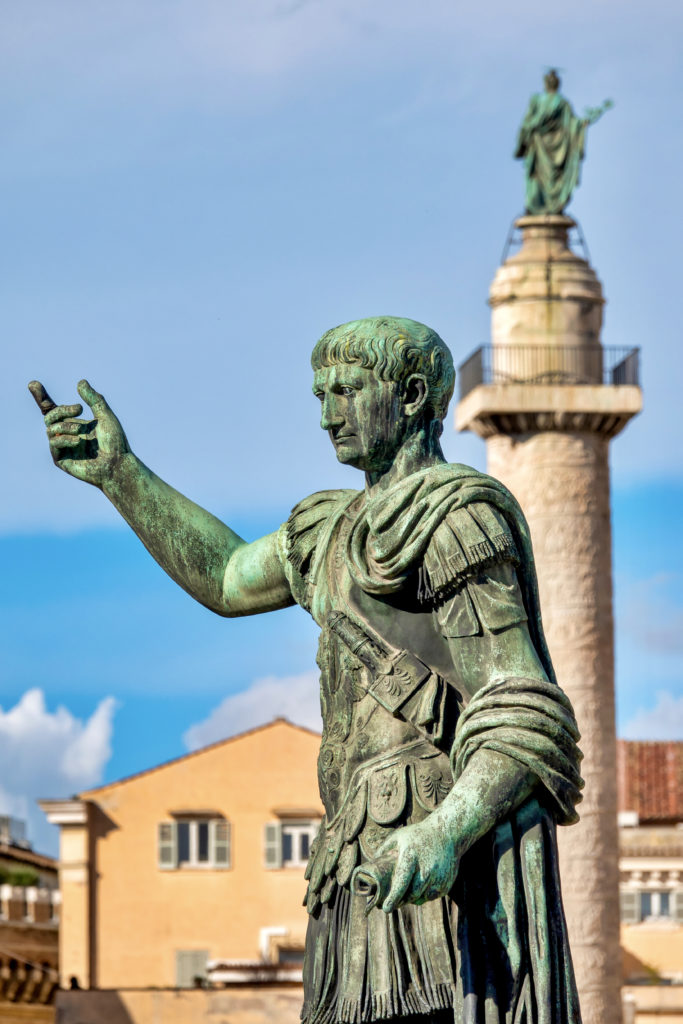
[(278, 720)]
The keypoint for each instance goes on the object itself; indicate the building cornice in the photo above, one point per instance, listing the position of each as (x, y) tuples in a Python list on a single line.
[(65, 812)]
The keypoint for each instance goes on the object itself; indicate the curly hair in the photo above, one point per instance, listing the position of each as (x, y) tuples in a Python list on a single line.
[(394, 348)]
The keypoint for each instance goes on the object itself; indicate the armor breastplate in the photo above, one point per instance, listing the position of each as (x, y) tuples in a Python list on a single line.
[(356, 728)]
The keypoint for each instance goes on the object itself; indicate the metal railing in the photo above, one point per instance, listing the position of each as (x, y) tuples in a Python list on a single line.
[(549, 364)]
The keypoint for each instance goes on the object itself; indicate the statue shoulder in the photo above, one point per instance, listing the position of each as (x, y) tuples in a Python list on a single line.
[(468, 539), (300, 533)]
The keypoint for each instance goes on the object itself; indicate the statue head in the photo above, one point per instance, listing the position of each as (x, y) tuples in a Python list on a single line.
[(394, 348), (402, 376), (551, 81)]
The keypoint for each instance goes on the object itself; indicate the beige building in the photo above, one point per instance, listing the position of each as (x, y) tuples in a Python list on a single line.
[(191, 866), (651, 875)]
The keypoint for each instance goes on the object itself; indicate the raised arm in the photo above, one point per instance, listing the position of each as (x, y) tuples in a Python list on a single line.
[(208, 559)]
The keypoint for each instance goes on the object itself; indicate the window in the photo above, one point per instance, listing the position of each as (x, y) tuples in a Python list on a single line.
[(290, 955), (650, 904), (654, 904), (287, 844), (194, 843)]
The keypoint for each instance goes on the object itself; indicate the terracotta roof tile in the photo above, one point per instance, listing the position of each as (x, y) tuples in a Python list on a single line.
[(650, 779)]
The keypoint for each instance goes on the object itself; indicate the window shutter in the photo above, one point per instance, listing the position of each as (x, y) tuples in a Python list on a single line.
[(629, 904), (677, 905), (166, 845), (190, 964), (221, 844), (272, 845)]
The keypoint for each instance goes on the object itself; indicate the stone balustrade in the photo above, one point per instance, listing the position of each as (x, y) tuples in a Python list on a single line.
[(30, 904)]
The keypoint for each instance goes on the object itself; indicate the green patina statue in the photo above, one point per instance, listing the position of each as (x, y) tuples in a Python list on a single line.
[(551, 142), (448, 752)]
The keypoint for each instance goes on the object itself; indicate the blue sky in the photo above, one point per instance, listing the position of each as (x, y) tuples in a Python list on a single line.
[(193, 192)]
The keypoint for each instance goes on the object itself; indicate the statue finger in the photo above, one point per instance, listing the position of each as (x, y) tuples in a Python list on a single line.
[(388, 848), (68, 427), (400, 883), (94, 399), (64, 441), (43, 400), (428, 890), (62, 412)]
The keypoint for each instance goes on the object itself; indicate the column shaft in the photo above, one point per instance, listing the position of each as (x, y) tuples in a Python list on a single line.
[(562, 483)]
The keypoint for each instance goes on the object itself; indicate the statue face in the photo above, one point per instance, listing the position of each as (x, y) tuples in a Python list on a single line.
[(363, 415)]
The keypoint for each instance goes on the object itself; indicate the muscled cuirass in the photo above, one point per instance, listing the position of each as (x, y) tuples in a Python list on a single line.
[(376, 770), (358, 729)]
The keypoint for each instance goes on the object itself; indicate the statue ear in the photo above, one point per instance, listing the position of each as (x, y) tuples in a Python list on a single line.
[(415, 394)]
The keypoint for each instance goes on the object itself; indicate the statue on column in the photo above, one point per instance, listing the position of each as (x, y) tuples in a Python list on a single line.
[(449, 753), (551, 142)]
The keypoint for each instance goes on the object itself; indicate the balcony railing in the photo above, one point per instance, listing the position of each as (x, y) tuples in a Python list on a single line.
[(549, 364), (28, 903)]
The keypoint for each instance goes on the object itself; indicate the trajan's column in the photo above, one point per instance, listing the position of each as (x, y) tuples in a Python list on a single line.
[(548, 398)]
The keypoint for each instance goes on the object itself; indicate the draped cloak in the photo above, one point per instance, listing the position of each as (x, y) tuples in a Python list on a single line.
[(495, 949), (552, 143)]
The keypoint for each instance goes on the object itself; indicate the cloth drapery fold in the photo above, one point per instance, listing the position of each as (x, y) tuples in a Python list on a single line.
[(392, 532), (531, 721)]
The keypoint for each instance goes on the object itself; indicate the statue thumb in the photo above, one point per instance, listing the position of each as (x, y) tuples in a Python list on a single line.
[(91, 397)]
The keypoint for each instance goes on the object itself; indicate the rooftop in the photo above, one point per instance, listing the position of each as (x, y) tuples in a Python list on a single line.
[(20, 855), (650, 780), (280, 721)]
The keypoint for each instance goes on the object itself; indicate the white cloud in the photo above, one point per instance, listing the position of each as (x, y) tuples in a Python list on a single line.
[(662, 722), (47, 753), (293, 697)]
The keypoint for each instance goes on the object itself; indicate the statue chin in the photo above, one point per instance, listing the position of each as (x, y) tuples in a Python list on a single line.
[(348, 457)]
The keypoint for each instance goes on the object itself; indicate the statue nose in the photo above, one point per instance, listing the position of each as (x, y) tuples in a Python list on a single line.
[(330, 415)]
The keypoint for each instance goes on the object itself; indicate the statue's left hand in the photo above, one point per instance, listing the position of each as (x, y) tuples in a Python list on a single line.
[(425, 862)]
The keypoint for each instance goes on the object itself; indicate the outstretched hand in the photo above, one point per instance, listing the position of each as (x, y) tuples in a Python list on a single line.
[(421, 862), (86, 449)]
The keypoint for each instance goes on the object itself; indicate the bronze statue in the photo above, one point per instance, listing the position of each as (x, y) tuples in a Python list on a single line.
[(448, 752), (551, 142)]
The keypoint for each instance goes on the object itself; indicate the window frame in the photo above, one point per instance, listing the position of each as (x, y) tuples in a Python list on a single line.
[(274, 833), (655, 896), (295, 830), (219, 842), (631, 904)]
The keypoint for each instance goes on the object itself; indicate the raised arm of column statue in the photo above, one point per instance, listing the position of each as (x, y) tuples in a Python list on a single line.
[(208, 559)]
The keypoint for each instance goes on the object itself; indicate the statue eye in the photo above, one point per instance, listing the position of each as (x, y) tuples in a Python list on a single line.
[(346, 390)]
